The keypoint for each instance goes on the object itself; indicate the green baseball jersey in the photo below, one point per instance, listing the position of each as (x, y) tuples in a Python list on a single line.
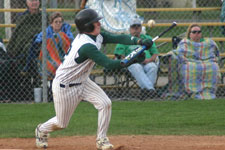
[(124, 50)]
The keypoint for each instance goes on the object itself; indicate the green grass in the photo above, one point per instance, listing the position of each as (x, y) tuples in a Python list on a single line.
[(189, 117)]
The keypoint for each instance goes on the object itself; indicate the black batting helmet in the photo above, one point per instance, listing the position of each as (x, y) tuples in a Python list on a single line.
[(85, 18)]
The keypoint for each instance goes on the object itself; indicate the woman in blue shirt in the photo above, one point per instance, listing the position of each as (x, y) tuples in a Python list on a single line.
[(57, 29)]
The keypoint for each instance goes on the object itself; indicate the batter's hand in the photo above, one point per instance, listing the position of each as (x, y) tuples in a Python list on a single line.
[(146, 42), (138, 59)]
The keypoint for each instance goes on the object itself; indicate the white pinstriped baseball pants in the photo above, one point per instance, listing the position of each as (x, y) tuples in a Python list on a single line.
[(66, 100)]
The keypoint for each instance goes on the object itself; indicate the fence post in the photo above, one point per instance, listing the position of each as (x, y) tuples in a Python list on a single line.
[(193, 3), (44, 51), (8, 31), (53, 4), (1, 14), (77, 4)]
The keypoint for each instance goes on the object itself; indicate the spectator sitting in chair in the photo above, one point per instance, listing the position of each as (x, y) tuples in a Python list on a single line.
[(145, 73), (196, 63), (59, 37)]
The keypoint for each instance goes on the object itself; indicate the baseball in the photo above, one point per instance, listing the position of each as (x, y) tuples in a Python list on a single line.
[(151, 23)]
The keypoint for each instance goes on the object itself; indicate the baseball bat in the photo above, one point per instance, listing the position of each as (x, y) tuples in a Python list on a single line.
[(136, 52)]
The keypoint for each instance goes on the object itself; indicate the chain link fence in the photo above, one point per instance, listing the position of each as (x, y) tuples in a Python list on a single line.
[(19, 30)]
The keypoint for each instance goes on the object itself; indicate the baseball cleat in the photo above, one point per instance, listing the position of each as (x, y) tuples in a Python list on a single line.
[(104, 144), (41, 138)]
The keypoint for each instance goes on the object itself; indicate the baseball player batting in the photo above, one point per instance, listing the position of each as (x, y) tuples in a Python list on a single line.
[(71, 84)]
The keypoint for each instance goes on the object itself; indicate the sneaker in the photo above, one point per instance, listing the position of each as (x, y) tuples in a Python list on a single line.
[(104, 144), (41, 138)]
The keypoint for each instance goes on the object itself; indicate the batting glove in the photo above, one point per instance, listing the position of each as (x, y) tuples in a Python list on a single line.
[(146, 42), (138, 59)]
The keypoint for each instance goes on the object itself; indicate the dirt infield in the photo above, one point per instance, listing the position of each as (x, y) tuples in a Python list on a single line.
[(123, 143)]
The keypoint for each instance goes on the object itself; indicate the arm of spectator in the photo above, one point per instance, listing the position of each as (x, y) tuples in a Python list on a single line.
[(152, 59)]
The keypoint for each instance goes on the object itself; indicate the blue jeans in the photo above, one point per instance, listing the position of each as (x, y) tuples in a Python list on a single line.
[(145, 75)]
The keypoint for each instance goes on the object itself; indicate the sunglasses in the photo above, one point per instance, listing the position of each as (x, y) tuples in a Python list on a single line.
[(194, 32), (135, 25)]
